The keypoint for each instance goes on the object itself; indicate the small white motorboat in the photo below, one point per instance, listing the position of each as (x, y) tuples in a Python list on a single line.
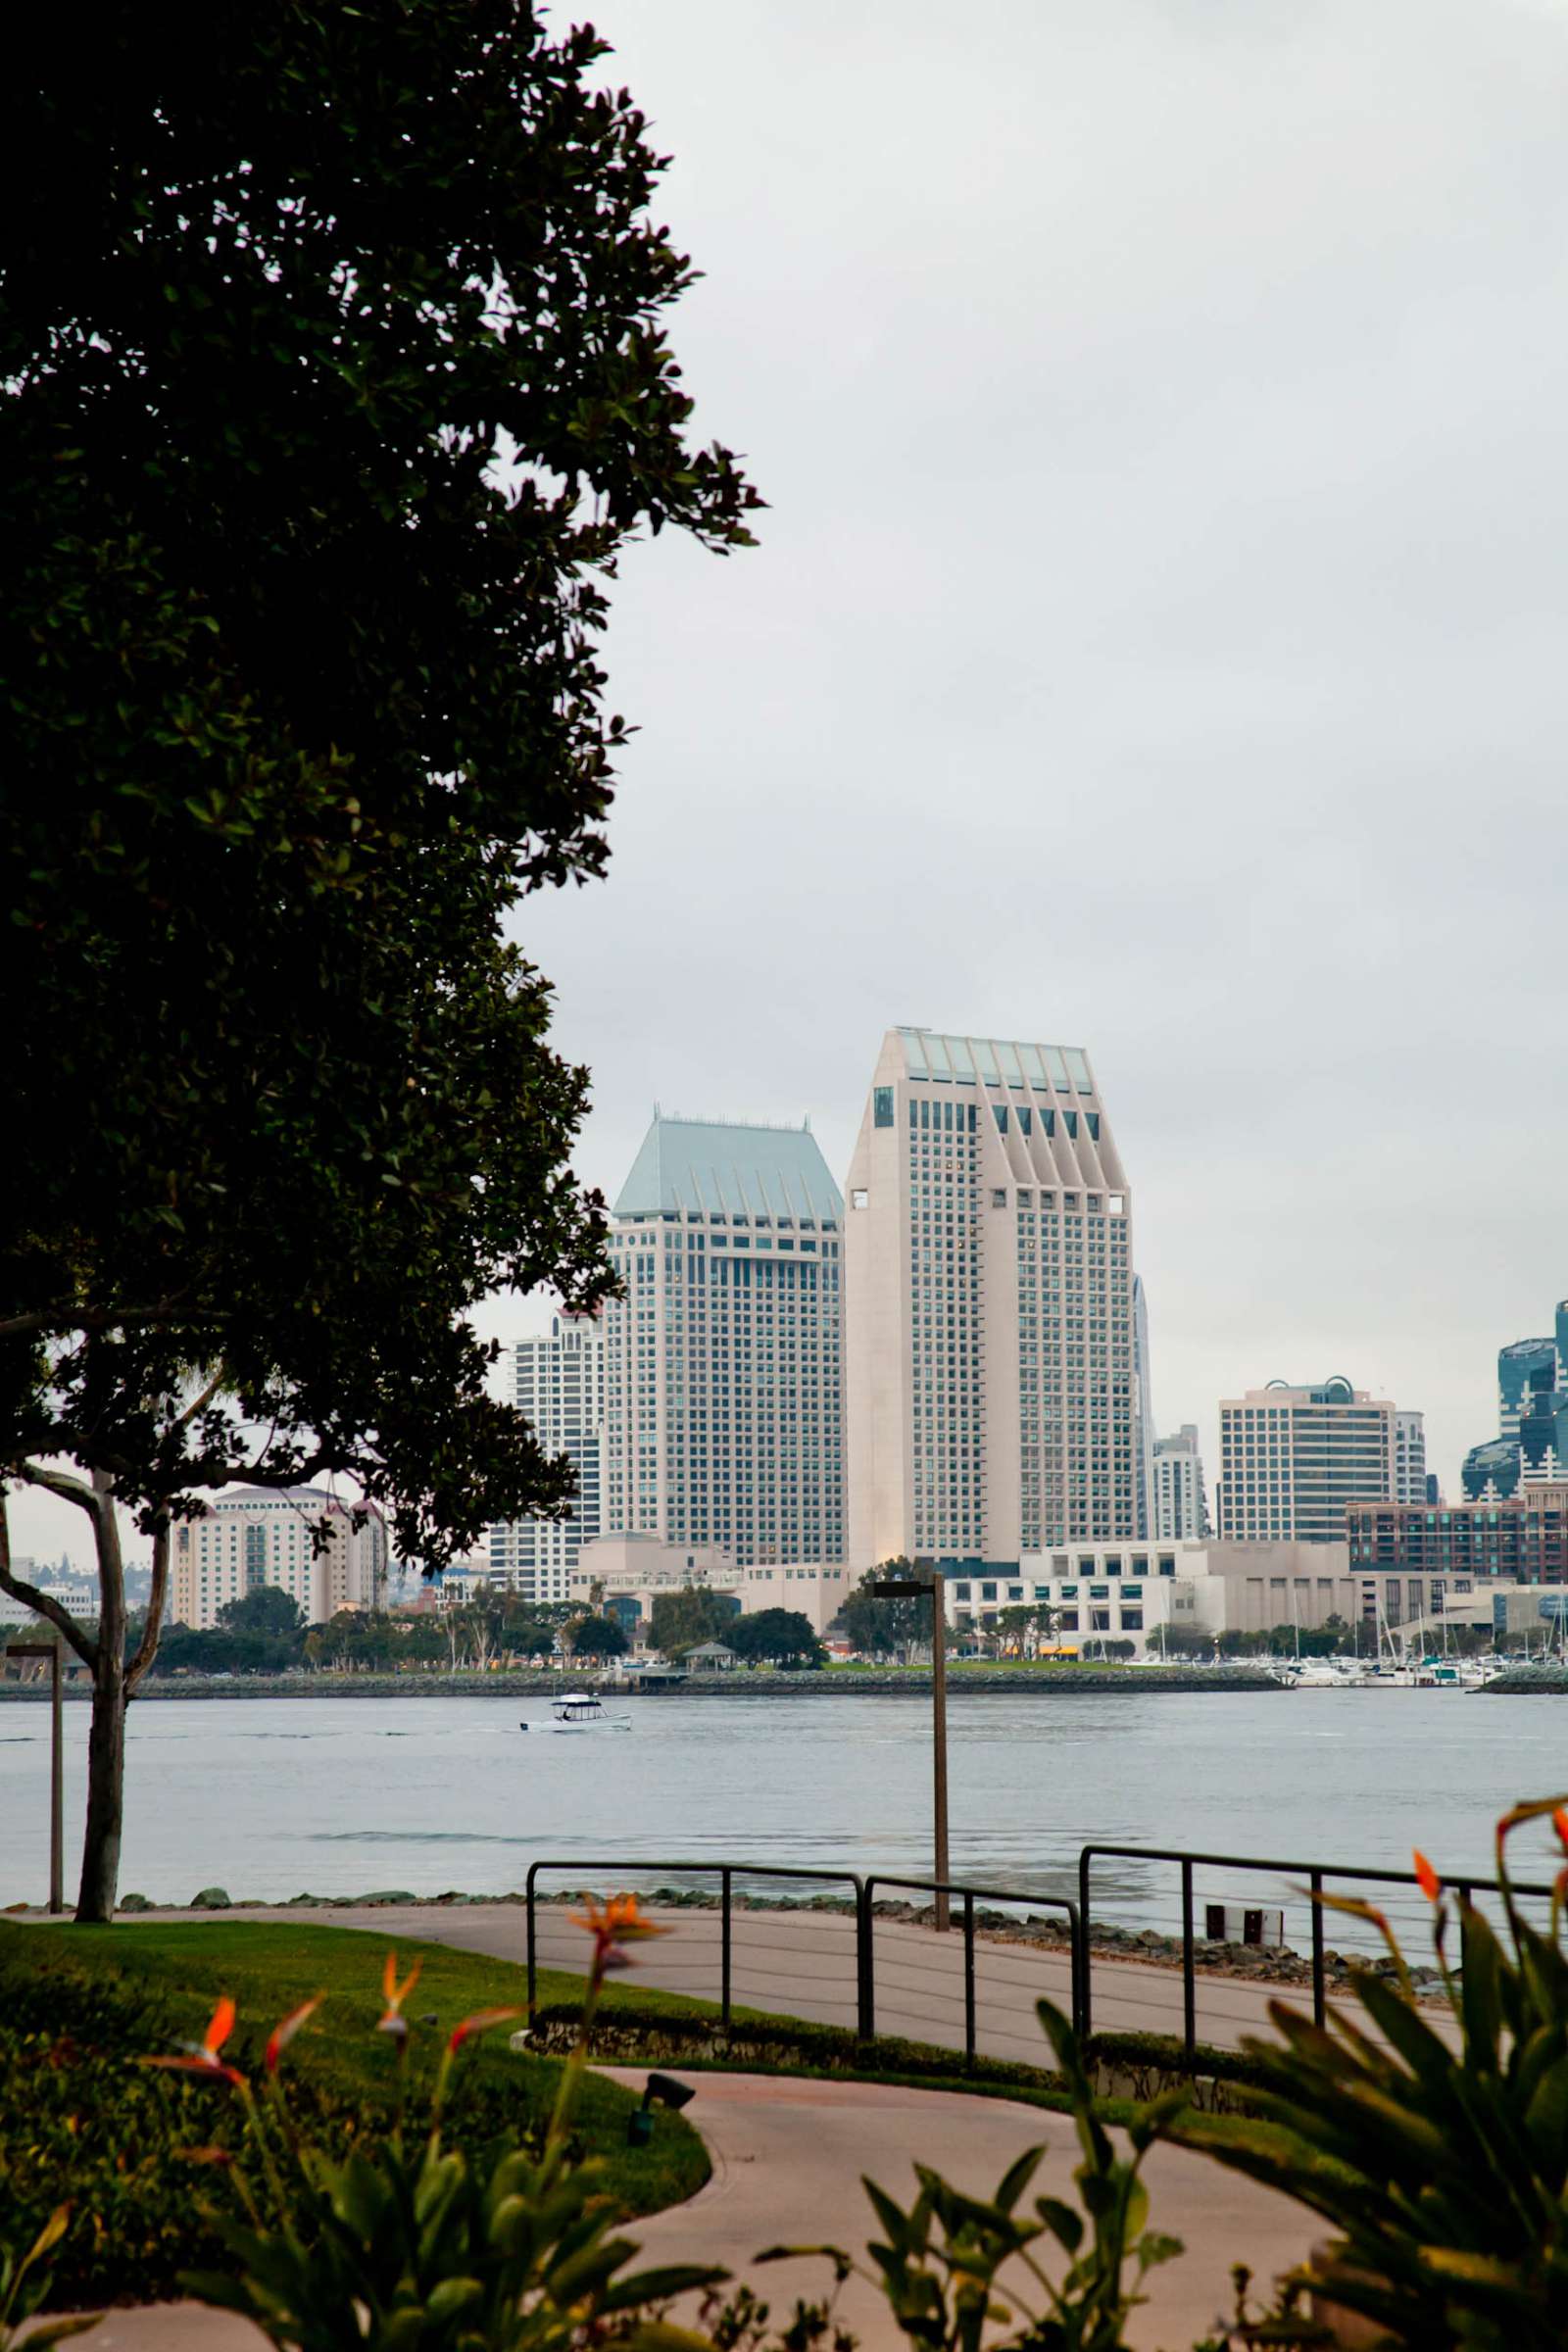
[(581, 1711)]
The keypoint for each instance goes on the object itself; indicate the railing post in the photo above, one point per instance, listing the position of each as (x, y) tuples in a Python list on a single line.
[(968, 1980), (1189, 1975), (724, 1947), (1075, 1959), (533, 1966), (1086, 2015), (865, 2019), (1319, 1993)]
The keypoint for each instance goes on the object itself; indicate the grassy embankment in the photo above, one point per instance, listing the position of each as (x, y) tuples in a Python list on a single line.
[(81, 2120)]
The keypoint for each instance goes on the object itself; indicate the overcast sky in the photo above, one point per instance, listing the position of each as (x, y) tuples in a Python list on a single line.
[(1156, 643)]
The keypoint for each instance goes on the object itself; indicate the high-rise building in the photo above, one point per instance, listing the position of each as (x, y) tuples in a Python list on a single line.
[(299, 1539), (724, 1361), (1144, 1410), (1181, 1507), (1532, 1447), (989, 1375), (559, 1382), (1409, 1458), (1292, 1459)]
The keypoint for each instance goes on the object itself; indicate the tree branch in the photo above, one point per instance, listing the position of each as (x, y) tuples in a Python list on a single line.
[(67, 1318), (147, 1648), (198, 1404), (42, 1605), (55, 1482)]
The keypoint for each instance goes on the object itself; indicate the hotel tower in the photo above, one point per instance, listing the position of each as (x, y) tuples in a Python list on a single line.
[(989, 1402)]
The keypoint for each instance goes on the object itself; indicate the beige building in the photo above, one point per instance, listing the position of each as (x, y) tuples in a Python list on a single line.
[(263, 1536), (1293, 1459), (989, 1344), (640, 1567)]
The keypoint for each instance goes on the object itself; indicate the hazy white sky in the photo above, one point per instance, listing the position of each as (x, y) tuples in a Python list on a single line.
[(1157, 640)]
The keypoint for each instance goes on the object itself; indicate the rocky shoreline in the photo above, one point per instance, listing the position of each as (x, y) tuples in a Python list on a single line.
[(963, 1682)]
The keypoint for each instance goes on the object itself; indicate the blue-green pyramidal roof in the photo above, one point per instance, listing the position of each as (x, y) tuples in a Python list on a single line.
[(740, 1171)]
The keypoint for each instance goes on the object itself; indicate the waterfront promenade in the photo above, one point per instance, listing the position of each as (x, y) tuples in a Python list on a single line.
[(802, 1963)]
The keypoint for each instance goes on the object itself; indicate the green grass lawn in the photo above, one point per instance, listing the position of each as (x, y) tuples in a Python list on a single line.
[(80, 2119)]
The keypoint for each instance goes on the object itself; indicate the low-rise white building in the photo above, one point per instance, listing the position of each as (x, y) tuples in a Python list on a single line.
[(1126, 1591)]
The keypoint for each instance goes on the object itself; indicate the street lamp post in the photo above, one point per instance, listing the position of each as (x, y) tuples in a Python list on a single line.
[(57, 1785), (902, 1588)]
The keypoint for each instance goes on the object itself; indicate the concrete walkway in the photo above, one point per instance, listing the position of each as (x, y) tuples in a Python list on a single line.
[(788, 2160), (803, 1964)]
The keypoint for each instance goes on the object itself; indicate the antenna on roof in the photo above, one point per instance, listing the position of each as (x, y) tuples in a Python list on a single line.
[(805, 1124), (656, 1111)]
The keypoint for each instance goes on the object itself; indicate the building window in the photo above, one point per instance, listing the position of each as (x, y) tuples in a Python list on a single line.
[(858, 1197), (882, 1106)]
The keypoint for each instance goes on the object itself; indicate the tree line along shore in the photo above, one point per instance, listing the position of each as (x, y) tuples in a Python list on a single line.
[(1049, 1682)]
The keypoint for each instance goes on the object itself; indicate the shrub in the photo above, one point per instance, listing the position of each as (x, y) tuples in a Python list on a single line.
[(1442, 2161)]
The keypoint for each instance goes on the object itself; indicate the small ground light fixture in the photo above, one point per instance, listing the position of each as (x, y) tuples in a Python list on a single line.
[(663, 2091)]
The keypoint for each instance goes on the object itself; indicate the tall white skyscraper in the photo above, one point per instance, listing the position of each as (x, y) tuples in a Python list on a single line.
[(1181, 1509), (1144, 1415), (1409, 1457), (989, 1372), (559, 1382), (723, 1420)]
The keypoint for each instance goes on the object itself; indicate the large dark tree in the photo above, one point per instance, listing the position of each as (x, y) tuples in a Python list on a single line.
[(784, 1636), (333, 381)]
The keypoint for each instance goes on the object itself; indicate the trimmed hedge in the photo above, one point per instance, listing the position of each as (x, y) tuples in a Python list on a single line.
[(1135, 2066)]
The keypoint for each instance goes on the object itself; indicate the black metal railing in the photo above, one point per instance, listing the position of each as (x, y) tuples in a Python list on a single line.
[(916, 1985), (726, 1873), (1309, 1879), (962, 1898)]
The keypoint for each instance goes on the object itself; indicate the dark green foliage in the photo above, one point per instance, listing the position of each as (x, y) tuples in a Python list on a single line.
[(597, 1637), (783, 1636), (884, 1629), (1439, 2150), (81, 2119), (335, 379), (26, 2277), (681, 1620), (264, 1609)]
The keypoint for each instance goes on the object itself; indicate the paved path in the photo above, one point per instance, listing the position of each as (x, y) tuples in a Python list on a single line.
[(788, 2160), (802, 1963), (789, 2156)]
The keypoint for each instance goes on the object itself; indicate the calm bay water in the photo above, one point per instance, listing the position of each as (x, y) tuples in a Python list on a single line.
[(269, 1798)]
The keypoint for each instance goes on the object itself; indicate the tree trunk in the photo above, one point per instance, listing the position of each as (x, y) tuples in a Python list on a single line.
[(106, 1740), (106, 1786)]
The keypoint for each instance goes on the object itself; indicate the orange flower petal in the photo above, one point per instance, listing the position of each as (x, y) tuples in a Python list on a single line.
[(221, 2027), (389, 1975), (1559, 1821), (285, 2031), (1426, 1878), (479, 2022)]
